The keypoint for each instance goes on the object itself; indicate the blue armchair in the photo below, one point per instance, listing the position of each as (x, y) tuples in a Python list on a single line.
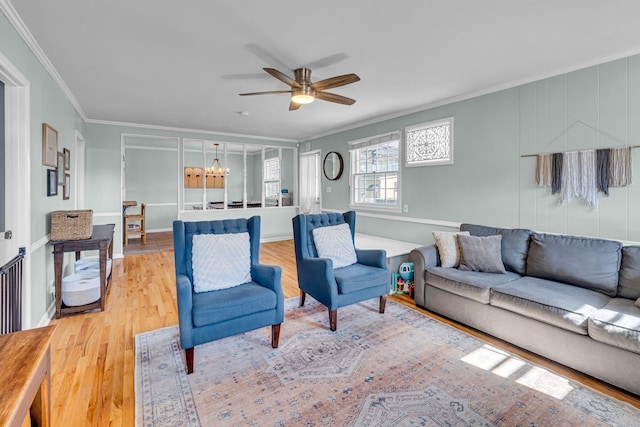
[(335, 288), (209, 316)]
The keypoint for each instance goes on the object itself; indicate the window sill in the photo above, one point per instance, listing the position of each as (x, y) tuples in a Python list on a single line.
[(378, 208)]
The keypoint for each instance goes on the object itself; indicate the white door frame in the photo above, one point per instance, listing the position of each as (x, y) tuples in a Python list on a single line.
[(315, 153), (78, 171), (17, 170)]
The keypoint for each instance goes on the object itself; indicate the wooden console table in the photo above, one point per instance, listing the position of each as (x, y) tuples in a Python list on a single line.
[(101, 240), (25, 379)]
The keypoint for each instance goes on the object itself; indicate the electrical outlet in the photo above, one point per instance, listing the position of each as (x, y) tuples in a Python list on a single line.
[(405, 208), (329, 189)]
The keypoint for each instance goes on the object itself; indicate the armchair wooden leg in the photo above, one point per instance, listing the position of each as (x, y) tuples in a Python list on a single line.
[(189, 353), (275, 335), (383, 303), (333, 319), (302, 295)]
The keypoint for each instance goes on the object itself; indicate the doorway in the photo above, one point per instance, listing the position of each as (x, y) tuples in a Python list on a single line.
[(16, 233), (310, 183), (78, 170)]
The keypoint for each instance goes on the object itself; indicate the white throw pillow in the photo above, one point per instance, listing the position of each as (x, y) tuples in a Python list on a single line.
[(220, 261), (335, 242), (448, 247), (638, 302)]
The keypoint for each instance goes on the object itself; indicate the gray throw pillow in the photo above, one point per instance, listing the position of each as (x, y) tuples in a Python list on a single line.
[(481, 254)]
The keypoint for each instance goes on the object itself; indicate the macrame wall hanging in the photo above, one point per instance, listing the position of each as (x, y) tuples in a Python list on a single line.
[(583, 173)]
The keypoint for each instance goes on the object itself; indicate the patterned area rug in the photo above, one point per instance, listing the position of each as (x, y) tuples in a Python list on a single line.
[(397, 369)]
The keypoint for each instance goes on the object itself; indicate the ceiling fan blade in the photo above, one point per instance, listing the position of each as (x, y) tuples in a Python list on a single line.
[(283, 77), (294, 106), (268, 57), (332, 97), (245, 76), (335, 82), (327, 61), (265, 93)]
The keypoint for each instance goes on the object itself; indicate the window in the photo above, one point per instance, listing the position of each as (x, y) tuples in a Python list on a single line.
[(272, 177), (375, 177), (430, 143)]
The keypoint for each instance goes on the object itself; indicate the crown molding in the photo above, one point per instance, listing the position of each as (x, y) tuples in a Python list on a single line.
[(480, 92), (12, 15), (179, 129)]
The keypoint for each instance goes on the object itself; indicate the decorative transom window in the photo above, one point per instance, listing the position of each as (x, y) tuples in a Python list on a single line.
[(272, 177), (430, 143), (375, 175)]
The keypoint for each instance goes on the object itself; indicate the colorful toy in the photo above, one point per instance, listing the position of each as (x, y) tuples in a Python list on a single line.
[(406, 270)]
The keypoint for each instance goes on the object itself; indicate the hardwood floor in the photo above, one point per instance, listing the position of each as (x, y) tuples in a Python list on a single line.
[(156, 242), (93, 353)]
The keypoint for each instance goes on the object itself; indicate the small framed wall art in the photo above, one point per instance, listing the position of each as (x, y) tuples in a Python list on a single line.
[(60, 169), (67, 159), (66, 188), (49, 146), (52, 182)]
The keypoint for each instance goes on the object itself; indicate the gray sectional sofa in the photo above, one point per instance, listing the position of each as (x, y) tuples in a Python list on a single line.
[(567, 298)]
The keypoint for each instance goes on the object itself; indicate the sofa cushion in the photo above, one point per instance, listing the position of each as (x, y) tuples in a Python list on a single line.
[(581, 261), (558, 304), (515, 244), (356, 277), (448, 247), (469, 284), (617, 324), (629, 281), (481, 254), (231, 303)]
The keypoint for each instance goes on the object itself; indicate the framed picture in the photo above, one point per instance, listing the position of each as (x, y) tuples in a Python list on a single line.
[(60, 168), (52, 182), (49, 146), (67, 159), (66, 188)]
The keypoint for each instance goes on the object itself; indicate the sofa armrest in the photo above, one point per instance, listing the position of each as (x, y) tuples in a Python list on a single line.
[(423, 258)]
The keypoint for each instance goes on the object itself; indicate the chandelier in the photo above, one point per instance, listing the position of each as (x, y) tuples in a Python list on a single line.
[(216, 169)]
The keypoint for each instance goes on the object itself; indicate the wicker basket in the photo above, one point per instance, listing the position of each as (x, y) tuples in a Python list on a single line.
[(71, 225)]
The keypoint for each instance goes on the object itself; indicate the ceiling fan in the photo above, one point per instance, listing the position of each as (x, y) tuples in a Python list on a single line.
[(303, 91)]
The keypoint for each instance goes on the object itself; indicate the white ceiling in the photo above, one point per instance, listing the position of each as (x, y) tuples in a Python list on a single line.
[(183, 64)]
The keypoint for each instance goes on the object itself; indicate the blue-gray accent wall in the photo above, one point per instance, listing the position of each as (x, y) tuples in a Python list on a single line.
[(490, 182)]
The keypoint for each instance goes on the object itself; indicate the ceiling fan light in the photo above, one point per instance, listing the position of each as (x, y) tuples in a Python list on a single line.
[(303, 96)]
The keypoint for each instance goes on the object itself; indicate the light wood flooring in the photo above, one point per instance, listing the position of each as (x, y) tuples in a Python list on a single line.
[(93, 353)]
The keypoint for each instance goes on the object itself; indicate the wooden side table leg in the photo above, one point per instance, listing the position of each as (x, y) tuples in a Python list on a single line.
[(57, 260), (103, 276), (41, 406)]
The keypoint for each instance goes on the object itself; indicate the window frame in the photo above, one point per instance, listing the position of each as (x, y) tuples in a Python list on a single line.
[(366, 143), (271, 181), (427, 125)]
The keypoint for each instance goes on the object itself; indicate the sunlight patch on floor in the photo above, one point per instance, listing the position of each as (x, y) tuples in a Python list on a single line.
[(546, 382), (503, 364)]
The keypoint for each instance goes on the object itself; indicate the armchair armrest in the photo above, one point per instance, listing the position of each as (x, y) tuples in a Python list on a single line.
[(372, 257), (315, 277), (185, 306), (268, 276)]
